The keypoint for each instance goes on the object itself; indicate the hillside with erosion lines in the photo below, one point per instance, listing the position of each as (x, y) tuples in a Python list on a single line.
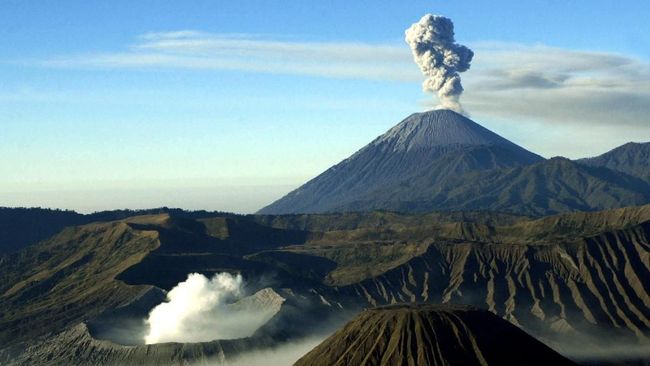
[(579, 276), (435, 335)]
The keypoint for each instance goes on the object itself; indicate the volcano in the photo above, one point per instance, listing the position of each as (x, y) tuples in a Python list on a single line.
[(425, 149), (442, 161), (430, 335)]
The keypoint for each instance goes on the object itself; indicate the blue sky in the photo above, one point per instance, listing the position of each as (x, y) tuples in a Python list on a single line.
[(228, 105)]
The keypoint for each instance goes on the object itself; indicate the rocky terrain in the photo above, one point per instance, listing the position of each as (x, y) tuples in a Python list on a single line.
[(412, 335), (97, 343), (580, 277)]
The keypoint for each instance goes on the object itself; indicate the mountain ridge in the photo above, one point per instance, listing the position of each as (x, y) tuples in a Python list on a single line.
[(441, 160), (548, 187), (632, 158), (577, 274), (423, 143)]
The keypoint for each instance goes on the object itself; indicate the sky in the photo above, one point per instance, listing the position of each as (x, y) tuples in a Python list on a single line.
[(228, 105)]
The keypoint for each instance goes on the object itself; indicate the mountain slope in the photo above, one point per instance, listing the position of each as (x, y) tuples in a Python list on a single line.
[(440, 160), (579, 276), (547, 187), (69, 277), (21, 227), (439, 128), (430, 335), (85, 270), (436, 144), (631, 158), (564, 285)]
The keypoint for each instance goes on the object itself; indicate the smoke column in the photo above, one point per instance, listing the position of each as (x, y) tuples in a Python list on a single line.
[(439, 57), (198, 310)]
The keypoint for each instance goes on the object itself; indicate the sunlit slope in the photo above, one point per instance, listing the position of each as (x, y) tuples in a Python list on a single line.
[(69, 278), (583, 271), (83, 271), (582, 274)]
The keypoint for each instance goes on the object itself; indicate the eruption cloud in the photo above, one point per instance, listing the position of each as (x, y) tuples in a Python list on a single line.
[(198, 310), (440, 58)]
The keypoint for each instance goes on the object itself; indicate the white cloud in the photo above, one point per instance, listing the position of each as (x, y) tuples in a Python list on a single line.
[(284, 355), (559, 86), (198, 50), (197, 310), (514, 82)]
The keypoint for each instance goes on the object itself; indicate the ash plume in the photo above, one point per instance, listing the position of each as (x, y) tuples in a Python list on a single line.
[(439, 57)]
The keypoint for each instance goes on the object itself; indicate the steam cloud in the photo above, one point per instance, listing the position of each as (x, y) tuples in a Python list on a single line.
[(198, 311), (439, 57), (286, 354)]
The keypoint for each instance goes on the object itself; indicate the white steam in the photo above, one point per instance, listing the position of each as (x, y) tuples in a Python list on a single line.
[(198, 311), (284, 355), (439, 57)]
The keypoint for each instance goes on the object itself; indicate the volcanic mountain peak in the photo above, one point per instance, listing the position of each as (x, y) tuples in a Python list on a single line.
[(427, 334), (438, 128), (399, 165)]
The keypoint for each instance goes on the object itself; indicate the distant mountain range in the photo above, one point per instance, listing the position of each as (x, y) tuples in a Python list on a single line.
[(21, 226), (631, 158), (441, 160)]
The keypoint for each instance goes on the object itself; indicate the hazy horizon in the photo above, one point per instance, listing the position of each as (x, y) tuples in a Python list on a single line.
[(228, 106)]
